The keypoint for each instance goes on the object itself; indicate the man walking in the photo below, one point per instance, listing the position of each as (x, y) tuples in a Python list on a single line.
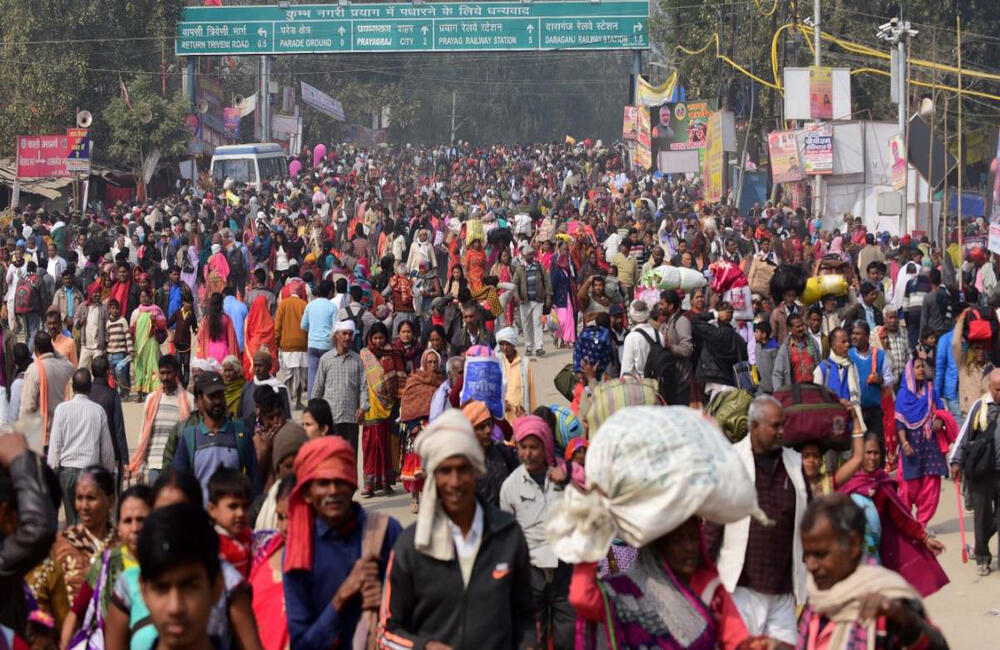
[(92, 323), (457, 540), (293, 343), (984, 489), (79, 439), (164, 408), (533, 293), (109, 400), (51, 372), (318, 319), (215, 441), (336, 552), (340, 380), (761, 566)]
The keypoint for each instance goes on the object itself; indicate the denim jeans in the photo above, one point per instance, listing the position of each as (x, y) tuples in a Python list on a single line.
[(313, 356), (31, 324), (120, 368), (954, 407)]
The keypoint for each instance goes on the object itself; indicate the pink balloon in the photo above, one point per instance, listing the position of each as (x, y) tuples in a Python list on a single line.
[(319, 152), (294, 167)]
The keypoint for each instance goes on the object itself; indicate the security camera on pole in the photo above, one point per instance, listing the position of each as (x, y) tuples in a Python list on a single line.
[(898, 32)]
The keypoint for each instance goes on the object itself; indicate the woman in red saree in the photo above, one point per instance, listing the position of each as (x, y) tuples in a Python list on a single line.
[(266, 576), (384, 372), (905, 546), (259, 332)]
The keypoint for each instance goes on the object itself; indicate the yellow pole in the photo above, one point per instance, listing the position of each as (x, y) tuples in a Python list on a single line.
[(958, 24)]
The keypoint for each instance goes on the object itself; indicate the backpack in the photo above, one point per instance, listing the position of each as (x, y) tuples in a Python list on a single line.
[(359, 327), (26, 297), (660, 365), (237, 262), (242, 442), (186, 265)]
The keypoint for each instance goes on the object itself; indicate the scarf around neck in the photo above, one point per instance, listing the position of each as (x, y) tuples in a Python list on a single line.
[(844, 363)]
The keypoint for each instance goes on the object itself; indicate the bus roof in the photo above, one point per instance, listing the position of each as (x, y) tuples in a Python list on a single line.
[(245, 149)]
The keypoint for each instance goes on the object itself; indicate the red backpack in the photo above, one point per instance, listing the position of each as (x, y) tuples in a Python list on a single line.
[(26, 296)]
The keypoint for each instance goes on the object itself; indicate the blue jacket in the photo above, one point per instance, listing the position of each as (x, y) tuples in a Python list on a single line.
[(871, 394), (946, 368)]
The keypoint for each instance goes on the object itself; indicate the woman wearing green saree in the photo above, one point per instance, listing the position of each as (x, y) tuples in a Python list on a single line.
[(146, 322)]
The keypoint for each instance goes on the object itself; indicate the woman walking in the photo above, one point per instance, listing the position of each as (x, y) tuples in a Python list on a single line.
[(921, 463), (563, 293), (384, 373), (148, 326), (217, 340)]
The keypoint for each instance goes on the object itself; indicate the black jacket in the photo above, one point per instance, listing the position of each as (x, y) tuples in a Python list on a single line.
[(424, 598), (722, 347), (28, 546), (111, 402)]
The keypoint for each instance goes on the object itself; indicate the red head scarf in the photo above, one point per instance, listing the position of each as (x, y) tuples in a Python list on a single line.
[(331, 458)]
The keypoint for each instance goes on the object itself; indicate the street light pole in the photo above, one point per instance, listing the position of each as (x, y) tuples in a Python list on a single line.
[(898, 32), (817, 179)]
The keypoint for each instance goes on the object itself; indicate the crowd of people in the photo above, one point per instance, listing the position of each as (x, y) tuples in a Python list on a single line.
[(277, 336)]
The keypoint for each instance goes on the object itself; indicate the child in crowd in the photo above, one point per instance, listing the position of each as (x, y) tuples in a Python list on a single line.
[(120, 347), (183, 326), (228, 505)]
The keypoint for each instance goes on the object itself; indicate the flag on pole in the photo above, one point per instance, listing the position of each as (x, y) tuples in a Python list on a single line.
[(128, 102)]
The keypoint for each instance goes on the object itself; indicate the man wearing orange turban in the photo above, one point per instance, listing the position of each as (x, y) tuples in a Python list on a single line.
[(336, 552)]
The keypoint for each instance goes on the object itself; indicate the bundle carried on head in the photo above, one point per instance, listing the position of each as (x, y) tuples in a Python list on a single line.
[(787, 277), (649, 469)]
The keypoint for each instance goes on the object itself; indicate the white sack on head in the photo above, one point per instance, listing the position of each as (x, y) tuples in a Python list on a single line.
[(649, 469)]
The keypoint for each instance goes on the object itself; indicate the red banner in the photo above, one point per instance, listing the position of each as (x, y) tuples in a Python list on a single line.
[(42, 156)]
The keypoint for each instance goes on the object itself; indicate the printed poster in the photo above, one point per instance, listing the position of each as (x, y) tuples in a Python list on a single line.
[(629, 120), (784, 153), (994, 240), (647, 94), (231, 121), (820, 92), (819, 149), (642, 157), (714, 158), (898, 151)]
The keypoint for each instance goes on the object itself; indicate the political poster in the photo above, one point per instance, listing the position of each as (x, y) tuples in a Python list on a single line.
[(683, 125), (42, 156), (231, 121), (820, 92), (78, 150), (714, 158), (629, 119), (818, 151), (898, 152), (784, 154)]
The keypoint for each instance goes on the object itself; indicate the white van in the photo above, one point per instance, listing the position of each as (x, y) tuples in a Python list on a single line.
[(249, 163)]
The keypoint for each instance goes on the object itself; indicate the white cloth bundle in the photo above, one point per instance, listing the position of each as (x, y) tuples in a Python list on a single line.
[(649, 469)]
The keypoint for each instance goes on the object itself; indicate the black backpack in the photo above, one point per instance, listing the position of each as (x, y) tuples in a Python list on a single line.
[(661, 365), (359, 327)]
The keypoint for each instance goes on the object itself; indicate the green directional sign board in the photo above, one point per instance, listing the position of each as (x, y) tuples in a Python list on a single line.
[(406, 27)]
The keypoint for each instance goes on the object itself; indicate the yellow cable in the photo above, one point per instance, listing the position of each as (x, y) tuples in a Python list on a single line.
[(714, 40), (767, 14), (924, 84)]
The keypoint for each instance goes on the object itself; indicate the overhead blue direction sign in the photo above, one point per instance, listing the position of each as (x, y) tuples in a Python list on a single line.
[(405, 27)]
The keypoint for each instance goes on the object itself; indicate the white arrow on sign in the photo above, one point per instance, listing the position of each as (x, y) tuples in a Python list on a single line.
[(341, 31), (637, 27), (531, 28), (423, 30), (262, 32)]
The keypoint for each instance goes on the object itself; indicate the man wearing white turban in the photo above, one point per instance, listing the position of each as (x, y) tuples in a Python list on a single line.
[(457, 537)]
